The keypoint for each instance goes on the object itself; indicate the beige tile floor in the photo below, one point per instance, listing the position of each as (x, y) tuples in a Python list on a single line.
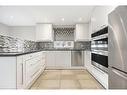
[(66, 79)]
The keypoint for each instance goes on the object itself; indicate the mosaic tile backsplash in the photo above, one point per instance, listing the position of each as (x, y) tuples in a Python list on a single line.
[(45, 45), (10, 44), (86, 45)]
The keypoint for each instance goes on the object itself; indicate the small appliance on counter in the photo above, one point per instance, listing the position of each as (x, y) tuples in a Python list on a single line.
[(64, 44)]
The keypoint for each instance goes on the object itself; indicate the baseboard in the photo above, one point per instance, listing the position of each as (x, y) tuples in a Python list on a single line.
[(64, 68)]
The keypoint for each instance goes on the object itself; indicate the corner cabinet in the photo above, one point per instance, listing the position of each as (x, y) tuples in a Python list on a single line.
[(44, 32), (99, 18), (82, 32)]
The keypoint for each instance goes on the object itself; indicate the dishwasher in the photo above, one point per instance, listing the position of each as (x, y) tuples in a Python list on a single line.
[(77, 59)]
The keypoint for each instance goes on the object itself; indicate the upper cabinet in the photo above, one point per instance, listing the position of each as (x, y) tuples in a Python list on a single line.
[(99, 18), (44, 32), (82, 32)]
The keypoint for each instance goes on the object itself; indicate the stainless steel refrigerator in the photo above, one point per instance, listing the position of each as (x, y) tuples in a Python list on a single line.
[(118, 48)]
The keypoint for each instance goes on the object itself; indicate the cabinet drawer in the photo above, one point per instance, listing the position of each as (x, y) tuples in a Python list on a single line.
[(31, 75), (34, 65), (30, 64), (101, 76), (31, 70), (34, 70), (32, 55)]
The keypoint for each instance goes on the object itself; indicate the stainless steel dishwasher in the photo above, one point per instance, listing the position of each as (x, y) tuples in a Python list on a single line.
[(77, 58)]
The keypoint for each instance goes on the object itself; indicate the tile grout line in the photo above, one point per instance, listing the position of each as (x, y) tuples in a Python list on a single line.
[(60, 79)]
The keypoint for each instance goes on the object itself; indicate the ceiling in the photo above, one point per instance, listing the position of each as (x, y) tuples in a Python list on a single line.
[(58, 15)]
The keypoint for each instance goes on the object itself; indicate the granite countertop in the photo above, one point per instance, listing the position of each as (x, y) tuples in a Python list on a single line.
[(33, 51), (17, 53)]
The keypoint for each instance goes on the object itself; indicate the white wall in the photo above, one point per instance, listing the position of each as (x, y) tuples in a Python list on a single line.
[(23, 32), (4, 30)]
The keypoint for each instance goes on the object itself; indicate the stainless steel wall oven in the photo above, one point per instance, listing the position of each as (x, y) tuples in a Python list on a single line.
[(99, 48)]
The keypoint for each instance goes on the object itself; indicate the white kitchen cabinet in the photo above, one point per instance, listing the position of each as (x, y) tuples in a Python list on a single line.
[(43, 65), (20, 80), (87, 60), (63, 59), (58, 59), (99, 17), (8, 72), (50, 59), (33, 68), (82, 32), (34, 65), (44, 32), (101, 76), (20, 72)]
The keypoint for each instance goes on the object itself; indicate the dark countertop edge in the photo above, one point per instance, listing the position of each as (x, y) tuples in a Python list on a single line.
[(23, 53)]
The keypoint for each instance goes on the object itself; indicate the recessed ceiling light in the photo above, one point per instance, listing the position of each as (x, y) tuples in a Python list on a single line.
[(62, 19), (11, 17), (80, 19)]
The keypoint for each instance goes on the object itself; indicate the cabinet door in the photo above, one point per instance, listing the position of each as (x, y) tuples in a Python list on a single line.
[(100, 17), (20, 75), (87, 60), (50, 58), (82, 32), (63, 59), (28, 78), (43, 60), (33, 65), (101, 76), (33, 69), (44, 32)]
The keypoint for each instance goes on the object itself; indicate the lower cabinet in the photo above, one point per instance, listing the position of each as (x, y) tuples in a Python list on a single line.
[(20, 73), (50, 59), (29, 67), (58, 59), (62, 59), (87, 60), (7, 72), (101, 76)]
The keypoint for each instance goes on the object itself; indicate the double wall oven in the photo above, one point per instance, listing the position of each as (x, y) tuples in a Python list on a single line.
[(99, 49)]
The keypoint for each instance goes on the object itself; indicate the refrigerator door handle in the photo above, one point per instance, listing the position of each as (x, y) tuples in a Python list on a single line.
[(121, 74)]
